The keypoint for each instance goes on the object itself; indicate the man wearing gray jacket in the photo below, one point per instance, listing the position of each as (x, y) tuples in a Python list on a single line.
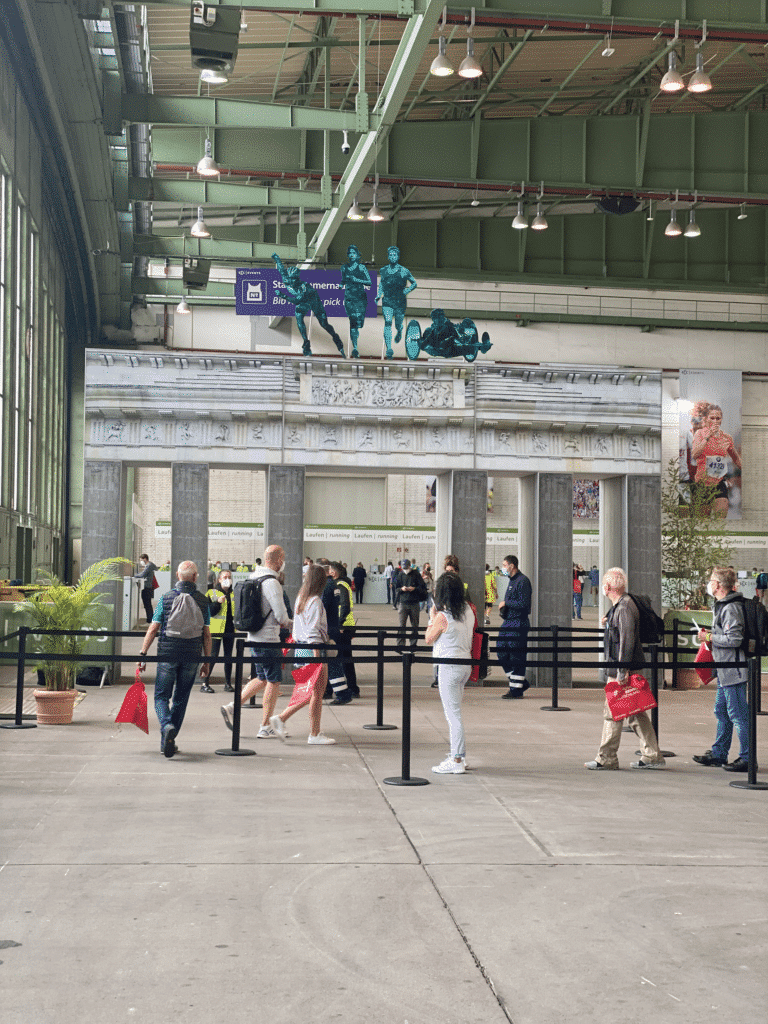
[(622, 643), (727, 641)]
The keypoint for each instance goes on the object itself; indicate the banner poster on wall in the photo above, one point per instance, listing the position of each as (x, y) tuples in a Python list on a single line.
[(256, 293), (431, 493), (710, 439)]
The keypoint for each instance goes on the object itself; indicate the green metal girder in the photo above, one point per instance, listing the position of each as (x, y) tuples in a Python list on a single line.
[(203, 112), (217, 250), (200, 193), (400, 8)]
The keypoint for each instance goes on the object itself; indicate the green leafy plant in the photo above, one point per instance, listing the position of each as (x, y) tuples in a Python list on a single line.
[(692, 540), (59, 606)]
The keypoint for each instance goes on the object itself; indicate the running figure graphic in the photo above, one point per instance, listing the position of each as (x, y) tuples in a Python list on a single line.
[(395, 282)]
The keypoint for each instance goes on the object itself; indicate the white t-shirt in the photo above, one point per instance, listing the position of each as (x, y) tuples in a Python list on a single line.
[(310, 626), (272, 597)]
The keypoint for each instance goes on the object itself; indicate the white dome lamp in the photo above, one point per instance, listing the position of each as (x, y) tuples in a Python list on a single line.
[(692, 229), (521, 221), (207, 166), (469, 67), (354, 212), (539, 221), (700, 80), (672, 81), (183, 307), (441, 66), (376, 213), (198, 229)]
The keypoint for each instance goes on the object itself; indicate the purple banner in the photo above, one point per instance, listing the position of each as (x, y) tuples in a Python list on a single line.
[(256, 294)]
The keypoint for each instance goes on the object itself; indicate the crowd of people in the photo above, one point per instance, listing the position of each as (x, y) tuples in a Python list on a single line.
[(192, 629)]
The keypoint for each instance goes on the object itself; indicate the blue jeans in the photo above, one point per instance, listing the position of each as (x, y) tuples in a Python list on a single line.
[(731, 709), (173, 685), (389, 591), (577, 602)]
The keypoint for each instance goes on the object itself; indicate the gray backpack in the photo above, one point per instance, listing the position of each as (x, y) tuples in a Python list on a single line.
[(185, 621)]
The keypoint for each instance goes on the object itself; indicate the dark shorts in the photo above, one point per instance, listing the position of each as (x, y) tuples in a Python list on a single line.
[(266, 664)]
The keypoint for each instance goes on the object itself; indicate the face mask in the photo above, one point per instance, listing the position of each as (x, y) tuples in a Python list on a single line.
[(282, 566), (226, 583), (504, 572), (605, 591), (142, 562), (711, 588)]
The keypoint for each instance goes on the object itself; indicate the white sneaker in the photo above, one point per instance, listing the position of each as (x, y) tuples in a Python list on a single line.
[(450, 767), (487, 621), (265, 732), (325, 740), (449, 757), (278, 725)]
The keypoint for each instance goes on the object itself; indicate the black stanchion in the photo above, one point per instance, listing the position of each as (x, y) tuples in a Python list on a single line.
[(758, 695), (754, 684), (405, 778), (655, 691), (675, 631), (554, 706), (234, 750), (379, 723), (17, 722)]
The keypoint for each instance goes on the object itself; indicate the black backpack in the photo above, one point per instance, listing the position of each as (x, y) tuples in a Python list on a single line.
[(651, 625), (755, 627), (249, 611)]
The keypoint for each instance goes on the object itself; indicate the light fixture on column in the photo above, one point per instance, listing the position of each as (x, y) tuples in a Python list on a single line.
[(673, 80), (198, 229), (376, 213), (354, 212), (469, 67), (521, 221), (441, 66), (700, 80), (742, 211), (183, 306), (673, 229), (207, 166)]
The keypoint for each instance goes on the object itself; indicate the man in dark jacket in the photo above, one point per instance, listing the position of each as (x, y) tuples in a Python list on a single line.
[(622, 643), (147, 577), (512, 643), (358, 576), (412, 591), (337, 692)]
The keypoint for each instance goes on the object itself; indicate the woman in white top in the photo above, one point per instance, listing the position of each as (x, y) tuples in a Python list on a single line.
[(450, 630), (310, 627)]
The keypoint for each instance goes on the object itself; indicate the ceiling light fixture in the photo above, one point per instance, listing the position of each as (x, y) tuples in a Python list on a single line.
[(692, 229), (742, 212), (673, 229), (700, 80), (354, 212), (521, 221), (609, 50), (539, 221), (214, 76), (441, 66), (673, 80), (183, 306), (475, 200), (650, 210), (198, 229), (376, 213), (207, 166), (469, 67)]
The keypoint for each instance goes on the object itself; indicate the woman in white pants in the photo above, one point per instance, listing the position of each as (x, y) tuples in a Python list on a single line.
[(450, 629)]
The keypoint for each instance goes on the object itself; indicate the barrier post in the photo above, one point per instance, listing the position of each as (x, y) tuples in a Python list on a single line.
[(675, 629), (554, 706), (404, 779), (655, 691), (234, 750), (17, 723), (753, 684), (379, 724)]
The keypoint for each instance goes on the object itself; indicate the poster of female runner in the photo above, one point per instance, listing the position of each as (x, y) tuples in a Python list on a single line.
[(710, 440)]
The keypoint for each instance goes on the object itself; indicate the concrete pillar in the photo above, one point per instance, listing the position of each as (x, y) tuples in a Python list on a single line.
[(613, 525), (443, 538), (462, 509), (103, 511), (554, 576), (284, 520), (643, 517), (527, 538), (189, 518)]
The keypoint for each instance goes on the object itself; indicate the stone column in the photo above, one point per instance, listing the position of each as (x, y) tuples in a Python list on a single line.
[(554, 571), (284, 520), (443, 538), (643, 518), (189, 519), (103, 511), (613, 525), (462, 509), (527, 538)]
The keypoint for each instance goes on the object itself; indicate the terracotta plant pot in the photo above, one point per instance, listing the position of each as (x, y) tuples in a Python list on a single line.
[(688, 679), (55, 707)]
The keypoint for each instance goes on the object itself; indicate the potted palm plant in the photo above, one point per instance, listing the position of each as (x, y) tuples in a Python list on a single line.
[(59, 606)]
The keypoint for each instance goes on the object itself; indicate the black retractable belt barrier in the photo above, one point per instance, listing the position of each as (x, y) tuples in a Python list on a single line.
[(234, 750), (554, 706), (17, 722), (754, 685), (405, 778), (379, 724)]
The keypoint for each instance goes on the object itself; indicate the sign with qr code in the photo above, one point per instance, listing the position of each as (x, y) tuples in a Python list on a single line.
[(262, 293)]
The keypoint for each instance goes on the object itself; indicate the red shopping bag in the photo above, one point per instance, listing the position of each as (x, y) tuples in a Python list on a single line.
[(305, 680), (134, 707), (629, 698), (703, 664)]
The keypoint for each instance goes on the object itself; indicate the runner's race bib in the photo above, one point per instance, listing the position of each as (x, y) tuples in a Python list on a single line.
[(716, 466)]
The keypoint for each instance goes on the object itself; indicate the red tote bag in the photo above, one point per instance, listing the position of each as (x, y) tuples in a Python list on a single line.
[(703, 664), (629, 698), (134, 707)]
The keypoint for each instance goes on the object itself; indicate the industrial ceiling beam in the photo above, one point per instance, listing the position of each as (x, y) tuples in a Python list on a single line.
[(199, 192), (216, 250)]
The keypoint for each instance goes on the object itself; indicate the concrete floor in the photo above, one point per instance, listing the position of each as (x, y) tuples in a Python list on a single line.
[(296, 886)]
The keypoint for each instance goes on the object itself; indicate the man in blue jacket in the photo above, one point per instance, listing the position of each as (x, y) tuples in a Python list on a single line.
[(512, 644)]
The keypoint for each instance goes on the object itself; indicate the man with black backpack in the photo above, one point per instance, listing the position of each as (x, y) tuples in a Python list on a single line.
[(181, 618), (260, 610)]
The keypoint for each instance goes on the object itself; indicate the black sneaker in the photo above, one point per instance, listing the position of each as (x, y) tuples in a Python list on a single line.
[(169, 735), (708, 760), (739, 765), (205, 688), (337, 702)]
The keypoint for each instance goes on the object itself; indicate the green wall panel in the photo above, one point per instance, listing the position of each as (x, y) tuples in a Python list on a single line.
[(458, 243), (556, 148), (611, 150), (417, 242), (498, 247), (502, 153), (668, 158), (447, 147)]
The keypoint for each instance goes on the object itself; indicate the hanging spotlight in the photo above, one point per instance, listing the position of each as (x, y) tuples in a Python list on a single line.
[(520, 221), (198, 229), (441, 66), (692, 229), (539, 221), (376, 213), (469, 67), (700, 80), (354, 212), (673, 80), (475, 200), (742, 212), (183, 306), (673, 229), (609, 50), (650, 210), (207, 166), (214, 76)]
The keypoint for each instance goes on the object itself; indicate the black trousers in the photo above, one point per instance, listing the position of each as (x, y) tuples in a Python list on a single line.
[(345, 651), (227, 640), (146, 597), (359, 594)]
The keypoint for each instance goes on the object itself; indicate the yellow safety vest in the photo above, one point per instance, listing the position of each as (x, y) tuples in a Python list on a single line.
[(350, 619), (219, 621)]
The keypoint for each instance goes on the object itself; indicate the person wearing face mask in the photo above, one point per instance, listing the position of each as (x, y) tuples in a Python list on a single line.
[(147, 577), (727, 641), (221, 602), (710, 449), (268, 669), (512, 643), (622, 643)]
